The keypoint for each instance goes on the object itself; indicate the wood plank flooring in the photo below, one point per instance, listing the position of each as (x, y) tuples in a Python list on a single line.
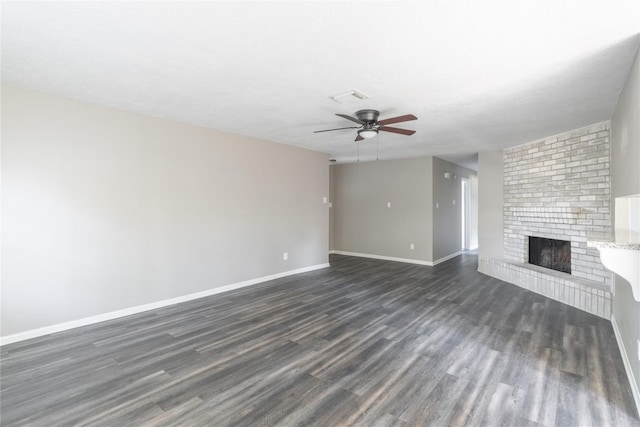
[(365, 342)]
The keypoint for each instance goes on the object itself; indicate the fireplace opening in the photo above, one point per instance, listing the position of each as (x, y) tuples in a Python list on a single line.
[(550, 253)]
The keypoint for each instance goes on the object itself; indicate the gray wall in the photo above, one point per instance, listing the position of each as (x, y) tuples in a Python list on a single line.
[(447, 217), (490, 226), (625, 136), (625, 181), (362, 223), (104, 210)]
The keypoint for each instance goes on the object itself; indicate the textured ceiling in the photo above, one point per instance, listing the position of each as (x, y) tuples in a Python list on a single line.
[(478, 75)]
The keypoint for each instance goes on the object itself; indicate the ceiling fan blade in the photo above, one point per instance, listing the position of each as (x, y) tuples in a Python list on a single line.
[(398, 119), (353, 119), (329, 130), (358, 138), (397, 130)]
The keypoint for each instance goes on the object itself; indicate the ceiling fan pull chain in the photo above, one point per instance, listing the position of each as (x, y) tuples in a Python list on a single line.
[(377, 147), (358, 151)]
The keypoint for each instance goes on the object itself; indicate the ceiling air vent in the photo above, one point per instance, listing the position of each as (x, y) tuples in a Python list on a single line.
[(348, 97)]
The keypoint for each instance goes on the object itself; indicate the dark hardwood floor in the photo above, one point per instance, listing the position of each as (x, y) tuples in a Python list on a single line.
[(365, 342)]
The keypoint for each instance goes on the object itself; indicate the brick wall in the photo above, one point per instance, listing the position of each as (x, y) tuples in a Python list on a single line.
[(559, 188)]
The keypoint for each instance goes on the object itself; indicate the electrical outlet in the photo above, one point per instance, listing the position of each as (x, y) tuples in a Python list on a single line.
[(437, 205), (412, 246), (330, 204), (388, 204), (285, 256)]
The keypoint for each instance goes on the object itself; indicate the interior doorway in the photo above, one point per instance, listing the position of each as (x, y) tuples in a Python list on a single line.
[(465, 214)]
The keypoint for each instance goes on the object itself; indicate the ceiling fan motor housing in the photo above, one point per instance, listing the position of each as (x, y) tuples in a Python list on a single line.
[(368, 116)]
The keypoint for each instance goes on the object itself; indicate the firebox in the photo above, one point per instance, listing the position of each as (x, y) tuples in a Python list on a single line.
[(550, 253)]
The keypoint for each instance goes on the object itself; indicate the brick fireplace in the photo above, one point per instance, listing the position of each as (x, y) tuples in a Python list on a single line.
[(558, 188)]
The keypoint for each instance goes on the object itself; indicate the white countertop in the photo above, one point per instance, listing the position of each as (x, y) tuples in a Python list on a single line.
[(624, 239)]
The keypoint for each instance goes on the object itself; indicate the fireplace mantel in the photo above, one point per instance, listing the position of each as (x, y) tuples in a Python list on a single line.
[(555, 215)]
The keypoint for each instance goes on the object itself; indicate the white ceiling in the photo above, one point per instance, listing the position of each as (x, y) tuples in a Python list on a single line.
[(478, 75)]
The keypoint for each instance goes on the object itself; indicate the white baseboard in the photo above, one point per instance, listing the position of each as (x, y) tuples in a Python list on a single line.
[(627, 365), (146, 307), (446, 258), (386, 258), (390, 258)]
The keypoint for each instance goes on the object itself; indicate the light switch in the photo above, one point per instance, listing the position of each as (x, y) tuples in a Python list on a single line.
[(388, 204)]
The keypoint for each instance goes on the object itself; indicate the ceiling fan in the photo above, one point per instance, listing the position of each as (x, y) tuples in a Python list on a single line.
[(369, 124)]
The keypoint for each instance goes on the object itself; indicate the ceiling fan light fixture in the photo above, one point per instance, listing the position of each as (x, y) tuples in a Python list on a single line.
[(368, 133)]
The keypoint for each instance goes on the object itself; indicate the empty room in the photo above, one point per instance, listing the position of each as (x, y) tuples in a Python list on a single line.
[(236, 213)]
